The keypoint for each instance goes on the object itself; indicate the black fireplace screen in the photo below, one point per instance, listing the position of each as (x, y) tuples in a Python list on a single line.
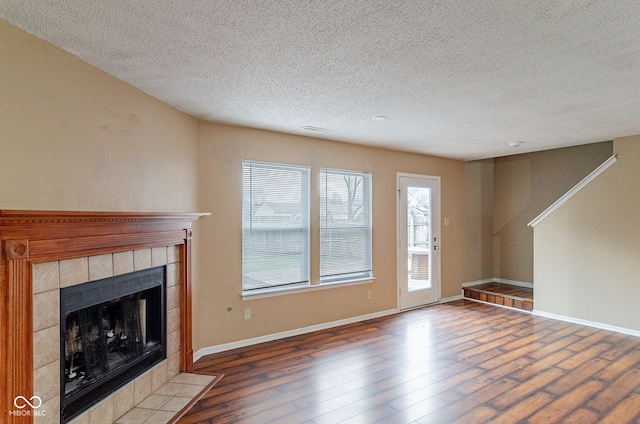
[(113, 330)]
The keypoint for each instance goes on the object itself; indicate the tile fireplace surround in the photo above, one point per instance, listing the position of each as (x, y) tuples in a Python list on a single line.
[(43, 251)]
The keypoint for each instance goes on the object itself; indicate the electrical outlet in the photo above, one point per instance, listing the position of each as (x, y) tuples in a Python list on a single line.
[(247, 314), (369, 294)]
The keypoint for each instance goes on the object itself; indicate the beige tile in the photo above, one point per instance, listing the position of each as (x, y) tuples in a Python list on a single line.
[(123, 262), (46, 276), (169, 389), (81, 419), (173, 275), (46, 346), (173, 320), (174, 365), (190, 390), (123, 400), (100, 266), (175, 404), (74, 271), (154, 401), (173, 254), (173, 342), (102, 412), (173, 297), (159, 375), (183, 377), (158, 256), (202, 380), (49, 412), (160, 417), (136, 416), (46, 309), (46, 381), (142, 387), (141, 259)]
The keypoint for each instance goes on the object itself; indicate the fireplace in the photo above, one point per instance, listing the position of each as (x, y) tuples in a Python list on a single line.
[(112, 330), (43, 253)]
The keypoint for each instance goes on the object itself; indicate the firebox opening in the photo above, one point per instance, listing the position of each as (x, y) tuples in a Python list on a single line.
[(112, 331)]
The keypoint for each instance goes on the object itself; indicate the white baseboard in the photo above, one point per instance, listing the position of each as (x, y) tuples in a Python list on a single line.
[(514, 283), (477, 283), (451, 299), (296, 332), (599, 325), (498, 280)]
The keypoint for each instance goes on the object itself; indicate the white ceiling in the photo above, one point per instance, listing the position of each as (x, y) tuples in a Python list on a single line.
[(455, 78)]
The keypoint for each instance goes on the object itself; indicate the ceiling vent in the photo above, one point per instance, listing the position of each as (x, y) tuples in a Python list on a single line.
[(316, 129)]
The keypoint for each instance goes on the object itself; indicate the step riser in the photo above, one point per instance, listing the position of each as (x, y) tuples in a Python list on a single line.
[(498, 299)]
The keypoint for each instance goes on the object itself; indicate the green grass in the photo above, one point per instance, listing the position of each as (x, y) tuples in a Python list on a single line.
[(271, 262), (274, 261)]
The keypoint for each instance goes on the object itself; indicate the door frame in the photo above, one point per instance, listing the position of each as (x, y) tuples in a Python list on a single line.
[(435, 248)]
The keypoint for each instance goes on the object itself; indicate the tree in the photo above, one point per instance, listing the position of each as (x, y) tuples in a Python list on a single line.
[(353, 209)]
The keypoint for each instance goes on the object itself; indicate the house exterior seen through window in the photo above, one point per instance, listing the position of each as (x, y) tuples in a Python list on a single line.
[(275, 226), (345, 225)]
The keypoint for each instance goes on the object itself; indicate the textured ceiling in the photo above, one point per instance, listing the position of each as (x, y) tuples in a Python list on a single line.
[(459, 79)]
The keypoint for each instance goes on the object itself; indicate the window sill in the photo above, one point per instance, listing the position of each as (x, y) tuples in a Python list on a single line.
[(310, 288)]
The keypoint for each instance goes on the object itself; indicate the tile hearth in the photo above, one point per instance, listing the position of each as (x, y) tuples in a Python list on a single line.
[(161, 406), (48, 278)]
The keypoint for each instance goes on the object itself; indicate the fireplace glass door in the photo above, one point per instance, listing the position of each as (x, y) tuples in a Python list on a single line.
[(113, 330), (101, 338)]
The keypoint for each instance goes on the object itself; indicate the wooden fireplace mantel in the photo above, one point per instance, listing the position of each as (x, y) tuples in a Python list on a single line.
[(28, 237)]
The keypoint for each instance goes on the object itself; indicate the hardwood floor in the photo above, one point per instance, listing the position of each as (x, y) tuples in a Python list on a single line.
[(460, 362)]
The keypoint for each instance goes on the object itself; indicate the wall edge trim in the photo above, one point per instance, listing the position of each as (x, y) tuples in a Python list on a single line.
[(568, 195), (477, 282), (498, 280), (514, 283), (594, 324), (451, 299), (290, 333)]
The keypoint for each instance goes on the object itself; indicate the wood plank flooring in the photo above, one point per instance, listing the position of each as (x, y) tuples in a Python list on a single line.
[(501, 294), (460, 362)]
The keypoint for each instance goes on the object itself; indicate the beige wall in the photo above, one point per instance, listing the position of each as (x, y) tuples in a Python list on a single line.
[(485, 178), (75, 138), (219, 237), (524, 186), (587, 252)]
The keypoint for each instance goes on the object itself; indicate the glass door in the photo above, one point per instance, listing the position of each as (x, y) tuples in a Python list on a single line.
[(418, 240)]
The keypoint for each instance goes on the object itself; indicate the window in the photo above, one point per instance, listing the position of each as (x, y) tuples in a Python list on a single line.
[(345, 225), (275, 226)]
